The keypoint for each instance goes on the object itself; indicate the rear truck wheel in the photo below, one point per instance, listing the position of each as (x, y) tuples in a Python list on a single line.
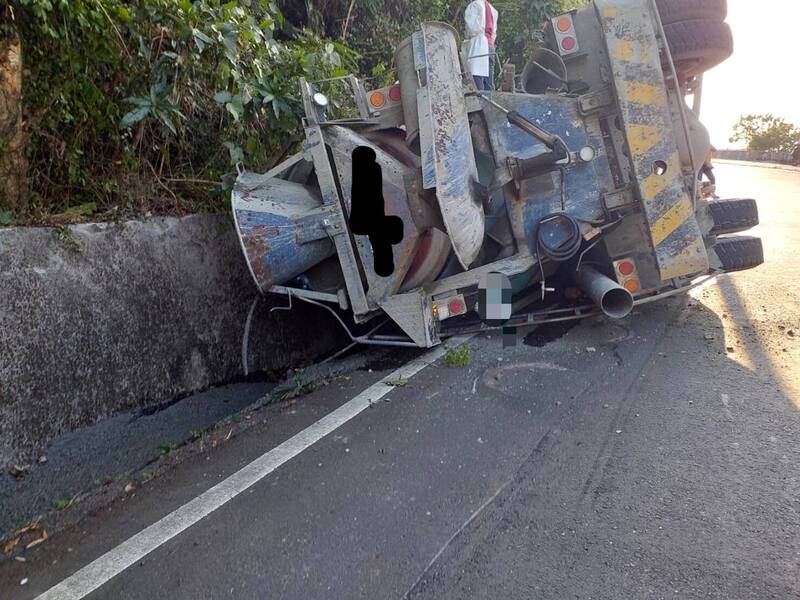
[(698, 45), (739, 253), (674, 11), (733, 216)]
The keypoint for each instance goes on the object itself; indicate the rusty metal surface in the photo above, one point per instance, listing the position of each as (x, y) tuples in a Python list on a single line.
[(447, 145), (269, 213), (642, 96)]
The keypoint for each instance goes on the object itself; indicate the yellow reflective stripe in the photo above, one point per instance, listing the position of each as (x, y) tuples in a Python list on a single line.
[(624, 50), (692, 260), (671, 220), (641, 138), (653, 185), (631, 51), (645, 94)]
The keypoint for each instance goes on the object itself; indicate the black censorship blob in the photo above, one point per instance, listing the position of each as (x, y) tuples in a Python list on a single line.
[(367, 215)]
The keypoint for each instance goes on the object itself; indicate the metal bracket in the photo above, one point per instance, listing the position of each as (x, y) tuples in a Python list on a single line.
[(319, 224), (340, 297), (593, 101), (619, 199)]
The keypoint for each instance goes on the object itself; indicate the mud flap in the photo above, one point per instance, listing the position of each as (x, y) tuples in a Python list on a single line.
[(643, 102)]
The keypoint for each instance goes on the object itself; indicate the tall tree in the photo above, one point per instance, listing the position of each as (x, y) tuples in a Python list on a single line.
[(766, 133), (13, 157)]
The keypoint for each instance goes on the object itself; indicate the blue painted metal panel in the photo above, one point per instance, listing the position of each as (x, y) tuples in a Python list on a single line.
[(272, 249), (281, 227), (584, 182)]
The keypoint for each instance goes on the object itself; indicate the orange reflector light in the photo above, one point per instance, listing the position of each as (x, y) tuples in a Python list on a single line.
[(377, 99), (568, 43), (564, 24), (394, 93), (625, 268), (632, 286)]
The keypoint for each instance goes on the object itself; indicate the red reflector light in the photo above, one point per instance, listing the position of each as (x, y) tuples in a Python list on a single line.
[(394, 93), (625, 268), (456, 307), (564, 24), (568, 43)]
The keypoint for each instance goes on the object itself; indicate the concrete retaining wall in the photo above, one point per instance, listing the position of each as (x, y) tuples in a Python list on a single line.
[(101, 318)]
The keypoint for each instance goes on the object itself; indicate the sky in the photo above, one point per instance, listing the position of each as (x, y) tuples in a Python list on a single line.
[(763, 75)]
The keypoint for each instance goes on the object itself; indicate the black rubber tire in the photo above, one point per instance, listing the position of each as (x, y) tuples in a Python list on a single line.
[(739, 253), (674, 11), (734, 215), (698, 45)]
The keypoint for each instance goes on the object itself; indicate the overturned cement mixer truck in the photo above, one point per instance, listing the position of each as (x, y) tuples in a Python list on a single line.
[(583, 185)]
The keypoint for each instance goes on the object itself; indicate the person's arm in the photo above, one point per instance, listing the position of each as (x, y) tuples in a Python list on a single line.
[(490, 22), (473, 19)]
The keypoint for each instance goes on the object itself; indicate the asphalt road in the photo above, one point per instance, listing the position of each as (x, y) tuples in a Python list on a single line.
[(657, 457)]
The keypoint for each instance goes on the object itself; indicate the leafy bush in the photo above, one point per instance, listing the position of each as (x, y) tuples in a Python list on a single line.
[(376, 27), (148, 104)]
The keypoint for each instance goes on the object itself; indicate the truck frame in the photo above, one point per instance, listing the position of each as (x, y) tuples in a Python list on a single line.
[(575, 189)]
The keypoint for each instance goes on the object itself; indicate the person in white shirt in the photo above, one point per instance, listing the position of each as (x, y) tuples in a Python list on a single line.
[(480, 20)]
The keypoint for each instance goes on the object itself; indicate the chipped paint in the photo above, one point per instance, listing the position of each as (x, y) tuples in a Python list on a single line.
[(671, 220), (268, 215), (645, 94), (449, 148), (625, 51), (643, 101), (643, 138)]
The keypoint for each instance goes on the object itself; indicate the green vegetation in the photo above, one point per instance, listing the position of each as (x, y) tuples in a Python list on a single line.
[(144, 107), (165, 449), (65, 236), (375, 28), (60, 503), (147, 105), (766, 133), (299, 386), (397, 382), (457, 357), (64, 503)]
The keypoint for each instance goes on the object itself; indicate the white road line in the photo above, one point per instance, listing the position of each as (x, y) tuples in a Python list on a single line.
[(113, 562)]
